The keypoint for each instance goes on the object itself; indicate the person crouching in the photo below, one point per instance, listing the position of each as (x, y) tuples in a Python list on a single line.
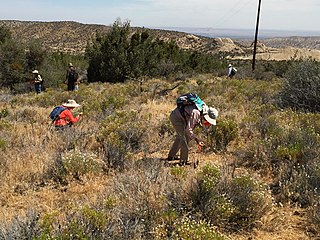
[(66, 118)]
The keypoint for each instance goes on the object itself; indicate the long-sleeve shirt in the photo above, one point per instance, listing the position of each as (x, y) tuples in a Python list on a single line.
[(38, 79), (66, 118), (192, 119)]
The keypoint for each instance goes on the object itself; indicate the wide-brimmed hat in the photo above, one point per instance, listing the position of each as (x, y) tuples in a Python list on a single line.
[(210, 114), (70, 65), (71, 103), (35, 71)]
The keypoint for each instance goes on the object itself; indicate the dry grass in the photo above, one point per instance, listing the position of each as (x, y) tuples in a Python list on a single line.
[(145, 189)]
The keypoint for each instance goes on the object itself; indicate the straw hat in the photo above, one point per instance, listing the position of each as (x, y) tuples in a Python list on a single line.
[(71, 103), (210, 114), (70, 65)]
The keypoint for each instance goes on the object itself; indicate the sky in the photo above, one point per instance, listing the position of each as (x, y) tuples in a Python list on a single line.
[(289, 15)]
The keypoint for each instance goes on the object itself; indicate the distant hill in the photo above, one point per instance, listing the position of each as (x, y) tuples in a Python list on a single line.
[(297, 42), (73, 37), (61, 36)]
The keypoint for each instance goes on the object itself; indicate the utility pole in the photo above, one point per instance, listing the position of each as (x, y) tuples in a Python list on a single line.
[(256, 38)]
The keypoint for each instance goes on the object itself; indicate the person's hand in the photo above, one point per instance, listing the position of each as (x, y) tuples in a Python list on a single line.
[(199, 142), (200, 145)]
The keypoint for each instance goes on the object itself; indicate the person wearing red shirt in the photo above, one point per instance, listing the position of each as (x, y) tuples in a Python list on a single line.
[(66, 118)]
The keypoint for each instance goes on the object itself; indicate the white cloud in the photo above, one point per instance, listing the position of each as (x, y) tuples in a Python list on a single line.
[(275, 14)]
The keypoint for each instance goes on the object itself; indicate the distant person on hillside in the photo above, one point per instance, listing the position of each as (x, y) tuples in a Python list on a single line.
[(64, 117), (231, 71), (184, 121), (71, 77), (38, 81)]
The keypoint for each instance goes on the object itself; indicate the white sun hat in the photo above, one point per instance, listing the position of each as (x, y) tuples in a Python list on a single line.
[(35, 71), (210, 114), (71, 103)]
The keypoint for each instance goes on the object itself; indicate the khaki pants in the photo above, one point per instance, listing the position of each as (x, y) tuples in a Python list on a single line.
[(182, 141)]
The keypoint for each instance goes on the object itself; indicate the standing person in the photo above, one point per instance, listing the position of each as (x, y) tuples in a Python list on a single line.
[(184, 126), (71, 77), (66, 118), (38, 81), (231, 71)]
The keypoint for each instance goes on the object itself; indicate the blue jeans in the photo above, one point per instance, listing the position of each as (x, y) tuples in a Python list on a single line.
[(38, 87)]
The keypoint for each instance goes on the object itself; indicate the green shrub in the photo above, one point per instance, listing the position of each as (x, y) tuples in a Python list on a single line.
[(78, 163), (5, 34), (123, 126), (178, 172), (120, 134), (5, 125), (48, 223), (251, 200), (289, 150), (4, 113), (301, 86), (299, 184), (232, 203), (74, 164), (22, 227), (222, 134), (195, 229), (115, 154), (3, 144)]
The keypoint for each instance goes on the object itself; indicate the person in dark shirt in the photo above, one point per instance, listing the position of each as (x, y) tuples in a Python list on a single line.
[(71, 77)]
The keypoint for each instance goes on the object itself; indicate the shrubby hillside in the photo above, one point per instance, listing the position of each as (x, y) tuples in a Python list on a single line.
[(106, 178)]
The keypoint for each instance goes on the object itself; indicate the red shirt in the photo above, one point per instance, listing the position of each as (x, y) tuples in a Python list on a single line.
[(66, 117)]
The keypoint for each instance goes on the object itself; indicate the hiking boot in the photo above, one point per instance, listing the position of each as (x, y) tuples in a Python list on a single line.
[(172, 158), (184, 163)]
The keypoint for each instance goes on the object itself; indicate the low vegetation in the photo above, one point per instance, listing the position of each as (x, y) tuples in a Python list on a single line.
[(105, 178)]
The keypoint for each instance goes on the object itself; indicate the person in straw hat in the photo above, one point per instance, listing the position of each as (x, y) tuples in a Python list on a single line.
[(66, 118), (38, 82), (184, 127)]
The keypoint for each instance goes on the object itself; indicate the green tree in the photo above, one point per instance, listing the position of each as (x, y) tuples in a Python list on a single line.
[(35, 55), (12, 63), (124, 53), (4, 34), (138, 54), (108, 55)]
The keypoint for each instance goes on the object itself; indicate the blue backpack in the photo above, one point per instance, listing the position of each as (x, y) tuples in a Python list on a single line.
[(55, 113), (189, 99)]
